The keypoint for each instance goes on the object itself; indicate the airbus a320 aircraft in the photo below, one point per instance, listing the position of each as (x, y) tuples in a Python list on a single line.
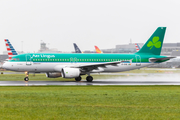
[(75, 65)]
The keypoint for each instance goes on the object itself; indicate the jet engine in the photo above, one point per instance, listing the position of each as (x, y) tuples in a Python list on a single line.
[(53, 74), (70, 72)]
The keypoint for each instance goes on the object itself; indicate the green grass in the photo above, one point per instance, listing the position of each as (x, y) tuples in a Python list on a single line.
[(42, 77), (90, 102)]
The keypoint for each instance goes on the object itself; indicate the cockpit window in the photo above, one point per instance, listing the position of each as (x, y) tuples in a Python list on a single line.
[(15, 59), (12, 58)]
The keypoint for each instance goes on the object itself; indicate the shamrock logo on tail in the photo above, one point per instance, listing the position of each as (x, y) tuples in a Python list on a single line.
[(154, 43)]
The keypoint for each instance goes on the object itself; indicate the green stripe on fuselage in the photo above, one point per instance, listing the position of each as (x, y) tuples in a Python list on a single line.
[(74, 57)]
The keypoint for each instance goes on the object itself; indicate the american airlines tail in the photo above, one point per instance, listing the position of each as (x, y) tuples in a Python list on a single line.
[(98, 50), (137, 47), (11, 51)]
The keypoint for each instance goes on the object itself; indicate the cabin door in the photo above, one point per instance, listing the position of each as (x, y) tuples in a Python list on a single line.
[(73, 60), (28, 60), (138, 60)]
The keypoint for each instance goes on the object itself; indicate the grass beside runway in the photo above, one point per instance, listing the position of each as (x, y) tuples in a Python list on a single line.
[(42, 77), (90, 102)]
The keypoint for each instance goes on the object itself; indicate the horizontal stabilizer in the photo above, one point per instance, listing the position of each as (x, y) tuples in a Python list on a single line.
[(160, 59)]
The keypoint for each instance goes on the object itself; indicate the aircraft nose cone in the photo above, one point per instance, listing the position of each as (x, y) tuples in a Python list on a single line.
[(5, 66)]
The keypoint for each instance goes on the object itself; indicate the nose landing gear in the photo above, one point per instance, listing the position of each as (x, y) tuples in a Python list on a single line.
[(26, 78)]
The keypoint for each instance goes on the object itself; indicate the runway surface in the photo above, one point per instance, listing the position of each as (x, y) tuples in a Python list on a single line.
[(125, 79), (165, 78), (97, 82)]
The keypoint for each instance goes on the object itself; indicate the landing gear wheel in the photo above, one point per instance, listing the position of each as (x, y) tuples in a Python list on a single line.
[(26, 79), (78, 78), (89, 78)]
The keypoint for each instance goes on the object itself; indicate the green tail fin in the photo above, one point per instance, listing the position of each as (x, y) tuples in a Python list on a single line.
[(154, 43)]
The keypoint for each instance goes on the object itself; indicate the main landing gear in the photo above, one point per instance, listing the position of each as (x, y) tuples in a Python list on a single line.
[(88, 78), (78, 78), (26, 78)]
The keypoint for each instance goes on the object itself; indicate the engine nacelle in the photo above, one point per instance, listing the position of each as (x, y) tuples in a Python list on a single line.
[(70, 72), (53, 74)]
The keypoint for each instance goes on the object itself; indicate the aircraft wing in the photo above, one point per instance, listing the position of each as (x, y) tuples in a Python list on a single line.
[(90, 67), (157, 59)]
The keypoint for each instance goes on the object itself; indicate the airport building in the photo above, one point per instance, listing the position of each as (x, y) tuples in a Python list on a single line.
[(45, 49), (168, 49)]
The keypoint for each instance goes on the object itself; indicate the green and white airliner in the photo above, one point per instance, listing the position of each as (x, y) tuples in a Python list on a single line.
[(73, 65)]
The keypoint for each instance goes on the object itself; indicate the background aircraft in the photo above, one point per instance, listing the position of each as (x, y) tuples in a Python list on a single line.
[(98, 50), (77, 50), (10, 49), (75, 65), (137, 47)]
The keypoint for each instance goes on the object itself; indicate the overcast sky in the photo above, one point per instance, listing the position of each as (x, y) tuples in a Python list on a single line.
[(104, 23)]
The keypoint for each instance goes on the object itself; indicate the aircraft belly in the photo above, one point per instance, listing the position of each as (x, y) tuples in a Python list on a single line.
[(41, 67), (56, 67), (124, 67)]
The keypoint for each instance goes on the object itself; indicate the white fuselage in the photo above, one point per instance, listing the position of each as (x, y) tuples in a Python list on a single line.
[(57, 67)]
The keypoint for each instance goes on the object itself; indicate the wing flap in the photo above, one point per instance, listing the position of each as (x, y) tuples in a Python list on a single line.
[(95, 66)]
